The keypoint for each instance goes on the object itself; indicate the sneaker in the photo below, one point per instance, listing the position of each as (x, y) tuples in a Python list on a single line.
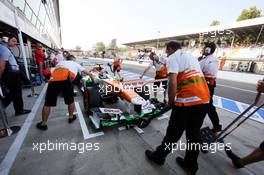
[(217, 129), (180, 161), (235, 159), (24, 111), (41, 126), (150, 155), (70, 120), (3, 132)]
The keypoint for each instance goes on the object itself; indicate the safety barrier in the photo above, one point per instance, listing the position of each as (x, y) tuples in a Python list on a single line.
[(242, 66)]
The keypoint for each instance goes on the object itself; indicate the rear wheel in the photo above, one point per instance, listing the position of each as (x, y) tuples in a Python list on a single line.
[(91, 98)]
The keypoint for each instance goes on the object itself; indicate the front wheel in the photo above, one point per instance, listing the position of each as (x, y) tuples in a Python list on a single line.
[(143, 123)]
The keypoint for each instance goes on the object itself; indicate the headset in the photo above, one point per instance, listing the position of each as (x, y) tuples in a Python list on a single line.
[(207, 50)]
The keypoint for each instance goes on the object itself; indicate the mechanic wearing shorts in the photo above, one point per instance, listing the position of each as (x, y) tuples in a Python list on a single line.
[(61, 81), (257, 154), (160, 65)]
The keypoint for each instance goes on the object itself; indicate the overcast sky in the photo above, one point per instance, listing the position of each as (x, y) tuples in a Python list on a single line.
[(85, 22)]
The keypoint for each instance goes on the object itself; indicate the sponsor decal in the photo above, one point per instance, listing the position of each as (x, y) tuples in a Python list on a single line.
[(110, 110)]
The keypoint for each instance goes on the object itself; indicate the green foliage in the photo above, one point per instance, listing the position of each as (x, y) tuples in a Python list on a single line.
[(100, 47), (122, 49), (252, 12), (215, 23)]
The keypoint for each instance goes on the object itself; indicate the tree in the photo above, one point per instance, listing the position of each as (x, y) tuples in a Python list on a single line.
[(100, 47), (252, 12), (122, 49), (215, 23)]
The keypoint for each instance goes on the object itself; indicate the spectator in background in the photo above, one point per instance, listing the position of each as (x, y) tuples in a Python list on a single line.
[(10, 75), (59, 55), (40, 58), (52, 57), (103, 54)]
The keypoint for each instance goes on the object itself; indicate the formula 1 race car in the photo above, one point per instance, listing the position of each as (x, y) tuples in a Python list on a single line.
[(113, 102)]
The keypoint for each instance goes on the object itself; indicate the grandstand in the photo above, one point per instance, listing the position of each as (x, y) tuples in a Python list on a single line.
[(240, 44)]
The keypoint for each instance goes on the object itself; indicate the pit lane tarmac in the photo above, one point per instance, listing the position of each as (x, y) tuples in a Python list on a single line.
[(108, 151)]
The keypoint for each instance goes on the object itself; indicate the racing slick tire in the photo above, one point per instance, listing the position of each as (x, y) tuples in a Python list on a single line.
[(143, 123), (92, 98)]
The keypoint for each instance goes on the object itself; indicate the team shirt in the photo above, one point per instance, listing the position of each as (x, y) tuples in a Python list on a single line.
[(209, 66), (117, 61), (192, 88), (66, 69), (160, 65)]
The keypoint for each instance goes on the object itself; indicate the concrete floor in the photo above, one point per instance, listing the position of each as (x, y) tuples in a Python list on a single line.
[(117, 151)]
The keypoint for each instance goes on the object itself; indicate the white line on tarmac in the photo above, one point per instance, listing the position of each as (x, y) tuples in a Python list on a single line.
[(164, 116), (140, 131), (121, 128), (255, 115), (239, 106), (86, 134), (219, 101), (237, 88), (10, 157)]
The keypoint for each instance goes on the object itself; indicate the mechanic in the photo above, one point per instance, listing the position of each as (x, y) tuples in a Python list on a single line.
[(10, 75), (209, 66), (189, 97), (160, 65), (61, 81), (258, 153), (117, 65)]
